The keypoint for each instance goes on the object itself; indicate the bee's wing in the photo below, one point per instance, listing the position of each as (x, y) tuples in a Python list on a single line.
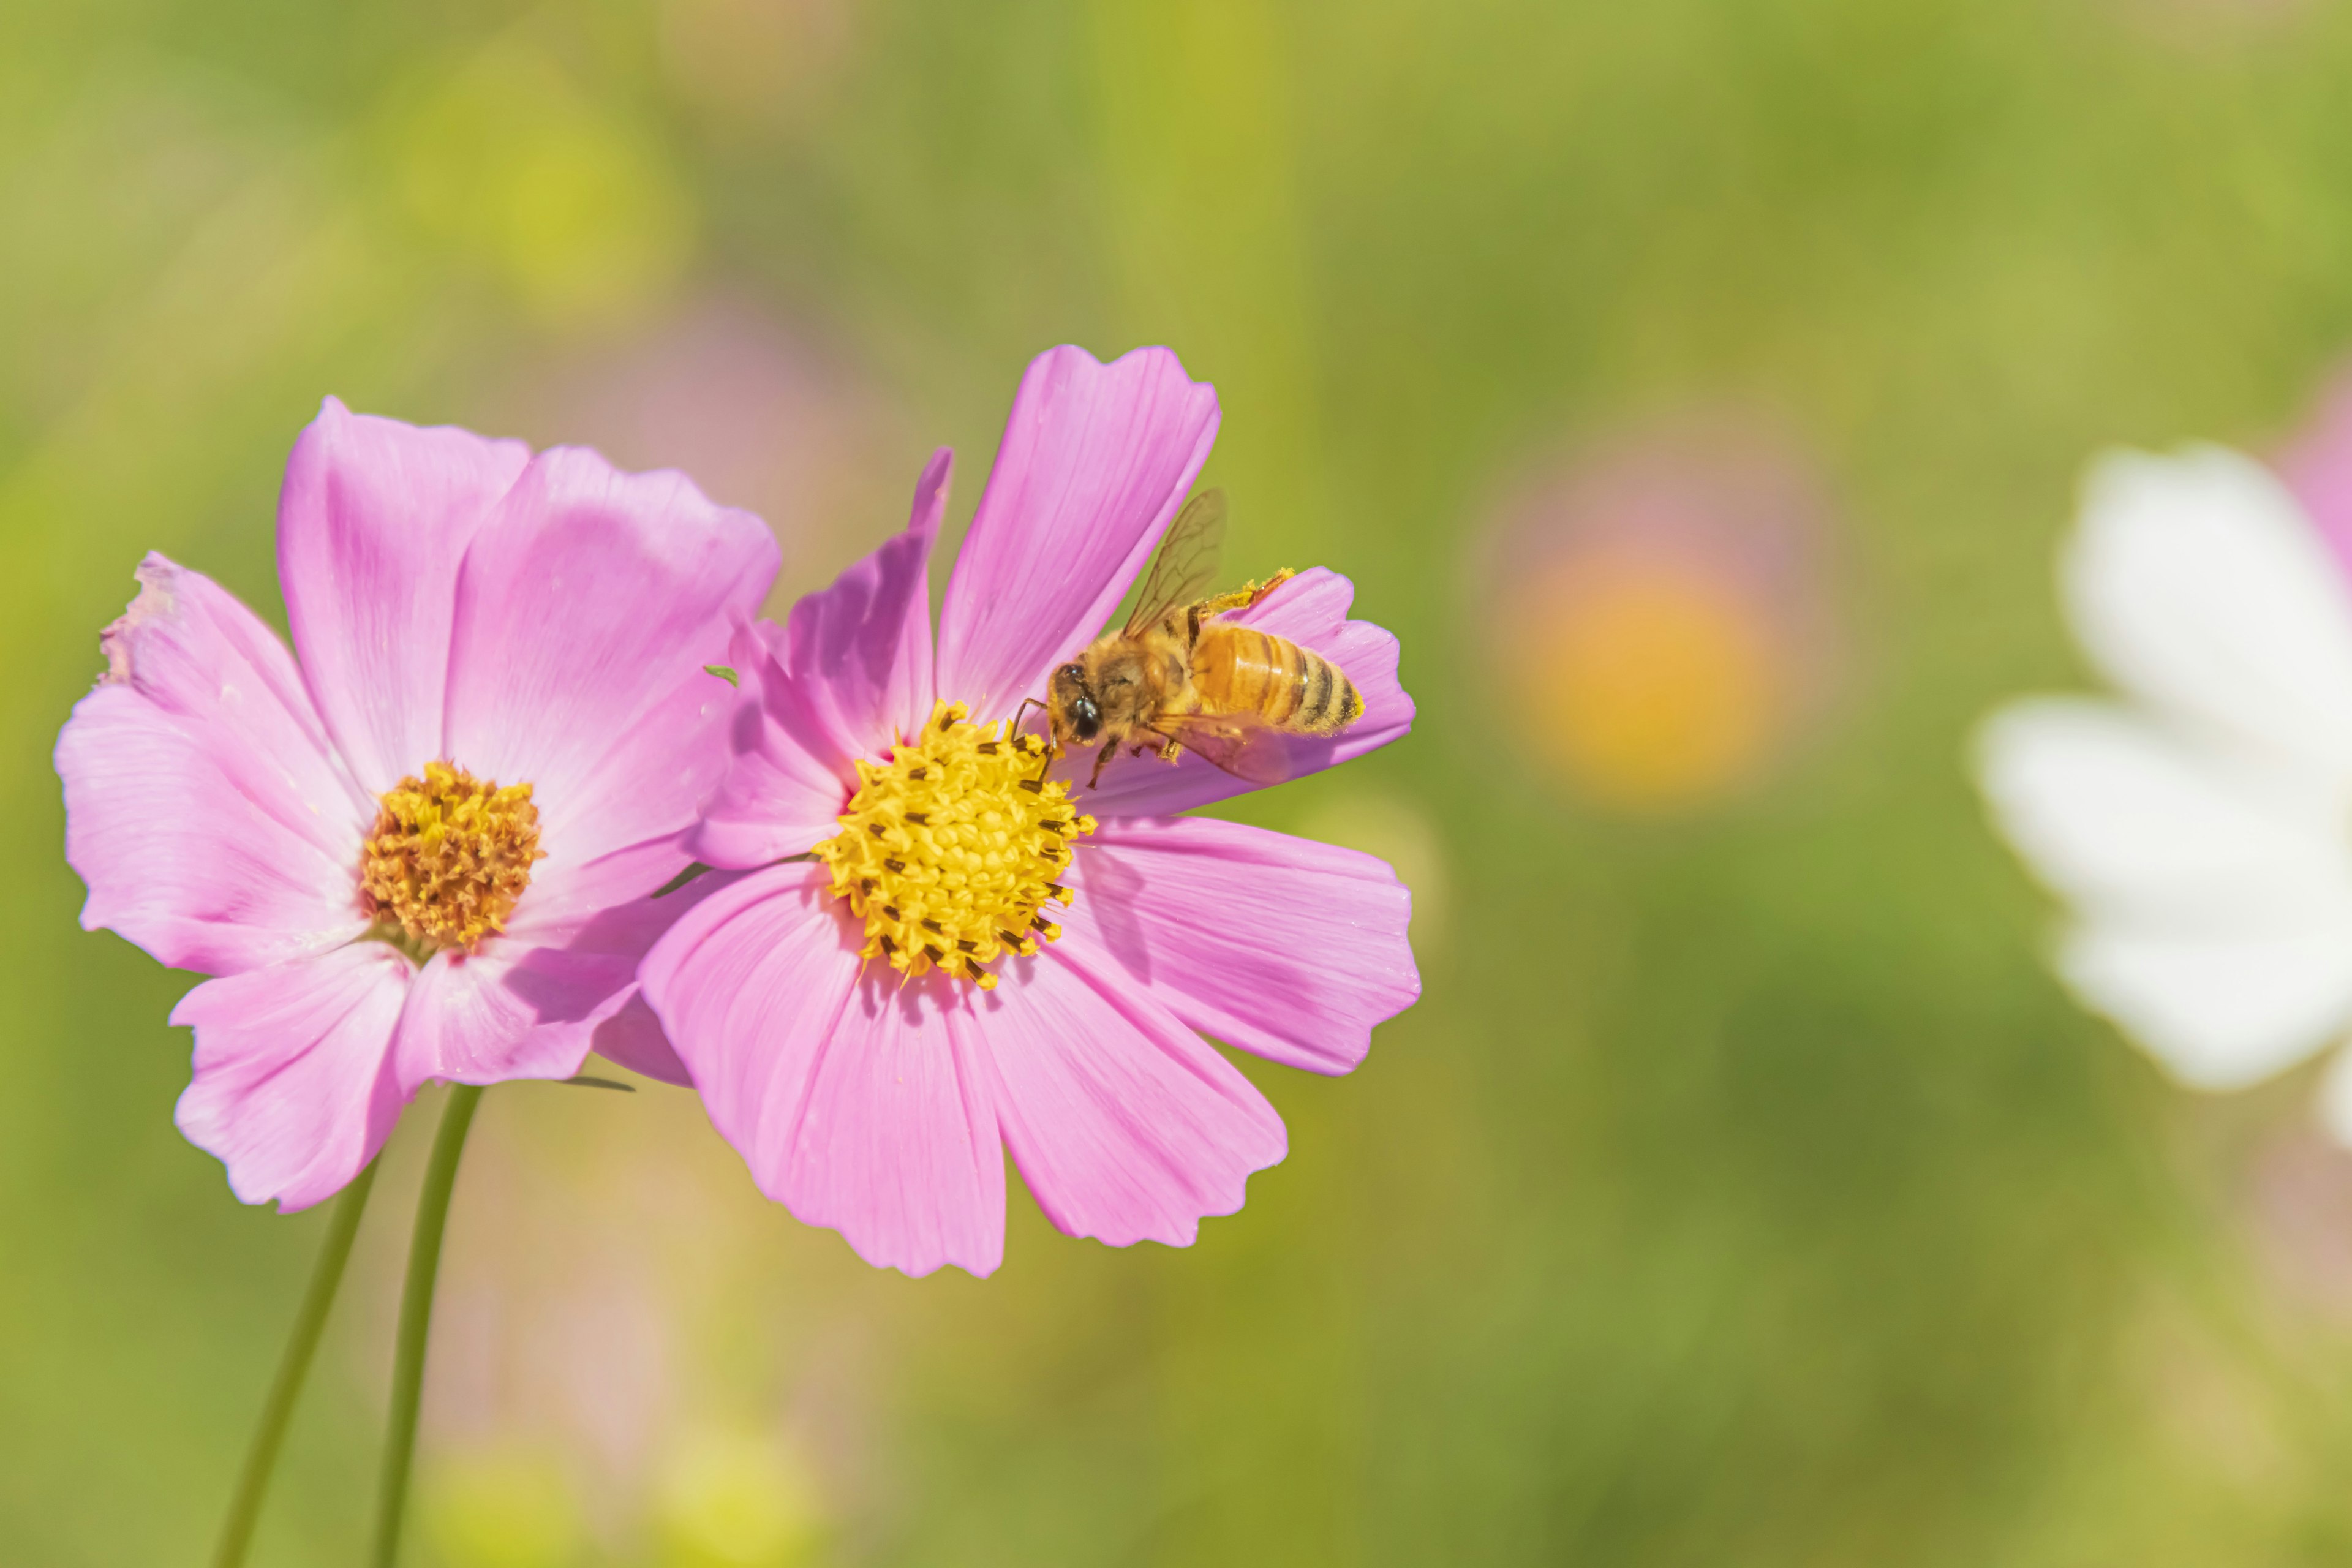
[(1187, 561), (1243, 744)]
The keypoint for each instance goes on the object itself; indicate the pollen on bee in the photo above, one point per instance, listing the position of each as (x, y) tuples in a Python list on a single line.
[(966, 890)]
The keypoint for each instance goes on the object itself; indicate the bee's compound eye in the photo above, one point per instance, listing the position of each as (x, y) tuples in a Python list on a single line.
[(1071, 672), (1086, 719)]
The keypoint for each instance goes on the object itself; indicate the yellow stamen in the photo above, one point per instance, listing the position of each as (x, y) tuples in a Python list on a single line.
[(949, 849), (448, 857)]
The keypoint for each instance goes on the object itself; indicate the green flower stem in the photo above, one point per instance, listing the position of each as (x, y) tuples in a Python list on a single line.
[(416, 1318), (293, 1366)]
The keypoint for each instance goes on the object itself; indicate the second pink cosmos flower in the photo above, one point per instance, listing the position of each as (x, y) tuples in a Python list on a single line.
[(1115, 934), (427, 851)]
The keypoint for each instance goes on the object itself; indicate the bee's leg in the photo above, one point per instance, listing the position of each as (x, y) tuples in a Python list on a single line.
[(1048, 748), (1102, 760), (1169, 750), (1022, 712)]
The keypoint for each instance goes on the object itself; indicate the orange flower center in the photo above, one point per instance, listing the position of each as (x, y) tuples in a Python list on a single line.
[(448, 857)]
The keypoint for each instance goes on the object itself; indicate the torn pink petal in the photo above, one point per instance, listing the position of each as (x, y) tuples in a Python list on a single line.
[(850, 1101), (1310, 610), (1283, 947), (293, 1090), (373, 524), (1126, 1126), (202, 805), (1094, 462)]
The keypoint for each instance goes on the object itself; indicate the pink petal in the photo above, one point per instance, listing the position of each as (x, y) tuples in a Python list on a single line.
[(1126, 1126), (561, 980), (849, 673), (862, 648), (633, 1039), (506, 1010), (896, 1145), (787, 778), (372, 524), (588, 604), (564, 900), (532, 1002), (202, 806), (675, 760), (851, 1102), (2317, 466), (293, 1088), (1310, 610), (1283, 947), (1094, 461)]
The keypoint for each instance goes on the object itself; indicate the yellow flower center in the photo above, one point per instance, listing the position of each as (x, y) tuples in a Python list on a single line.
[(448, 857), (949, 849)]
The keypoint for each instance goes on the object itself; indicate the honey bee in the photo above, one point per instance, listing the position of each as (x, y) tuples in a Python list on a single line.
[(1178, 676)]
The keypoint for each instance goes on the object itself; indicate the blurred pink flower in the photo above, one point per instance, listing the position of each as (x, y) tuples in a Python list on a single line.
[(2209, 26), (881, 1105), (1658, 611), (461, 608), (2316, 464), (2296, 1208)]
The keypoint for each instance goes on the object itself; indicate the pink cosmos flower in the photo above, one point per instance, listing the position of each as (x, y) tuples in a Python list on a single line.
[(425, 851), (890, 816)]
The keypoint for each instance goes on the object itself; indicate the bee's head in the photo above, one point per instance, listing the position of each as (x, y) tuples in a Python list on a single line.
[(1074, 706)]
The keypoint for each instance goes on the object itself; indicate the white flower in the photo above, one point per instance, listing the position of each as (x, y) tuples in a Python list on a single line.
[(2200, 829)]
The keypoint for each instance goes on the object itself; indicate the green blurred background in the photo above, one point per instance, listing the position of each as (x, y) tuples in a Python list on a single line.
[(1697, 387)]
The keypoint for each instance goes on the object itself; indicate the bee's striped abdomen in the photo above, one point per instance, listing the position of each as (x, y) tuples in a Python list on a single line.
[(1240, 669), (1330, 701)]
